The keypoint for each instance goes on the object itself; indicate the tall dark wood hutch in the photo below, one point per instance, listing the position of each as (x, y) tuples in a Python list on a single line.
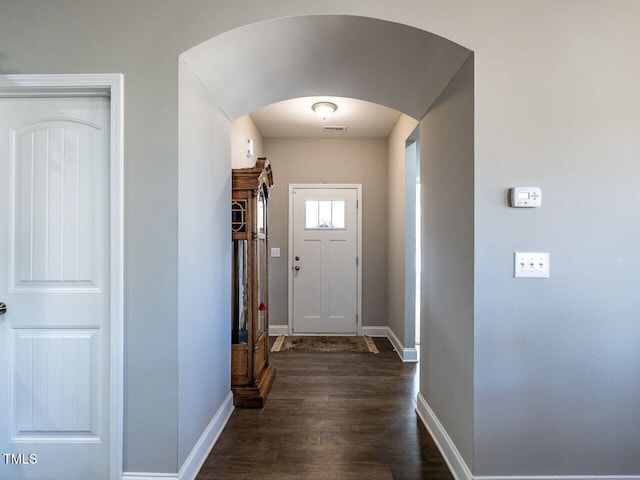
[(251, 373)]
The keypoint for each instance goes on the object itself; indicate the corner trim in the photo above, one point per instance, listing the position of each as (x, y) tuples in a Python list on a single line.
[(201, 449), (447, 448), (405, 354)]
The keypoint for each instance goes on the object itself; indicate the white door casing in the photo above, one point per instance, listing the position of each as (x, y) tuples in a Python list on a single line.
[(61, 276), (324, 260)]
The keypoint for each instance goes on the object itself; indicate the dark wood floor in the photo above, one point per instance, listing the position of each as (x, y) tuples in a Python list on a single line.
[(331, 416)]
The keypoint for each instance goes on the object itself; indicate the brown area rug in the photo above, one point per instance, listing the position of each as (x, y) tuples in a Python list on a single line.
[(296, 343)]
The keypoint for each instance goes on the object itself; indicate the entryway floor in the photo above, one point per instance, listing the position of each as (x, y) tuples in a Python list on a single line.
[(331, 416)]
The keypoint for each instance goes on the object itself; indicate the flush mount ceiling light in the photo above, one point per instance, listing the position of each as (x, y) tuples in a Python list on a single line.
[(324, 109)]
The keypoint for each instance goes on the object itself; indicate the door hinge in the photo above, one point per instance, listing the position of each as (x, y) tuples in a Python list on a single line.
[(357, 260)]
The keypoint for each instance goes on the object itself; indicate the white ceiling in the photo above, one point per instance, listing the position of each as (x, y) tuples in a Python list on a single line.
[(294, 118)]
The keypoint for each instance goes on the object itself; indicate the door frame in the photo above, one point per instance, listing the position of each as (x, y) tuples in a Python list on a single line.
[(326, 186), (111, 85)]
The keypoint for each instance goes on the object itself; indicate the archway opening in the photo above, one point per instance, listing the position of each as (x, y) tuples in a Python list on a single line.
[(385, 63), (401, 67), (382, 62)]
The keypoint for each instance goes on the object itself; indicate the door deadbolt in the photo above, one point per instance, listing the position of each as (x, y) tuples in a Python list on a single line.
[(3, 308), (297, 258)]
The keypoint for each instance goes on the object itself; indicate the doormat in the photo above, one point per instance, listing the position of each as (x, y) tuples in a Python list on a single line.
[(285, 343)]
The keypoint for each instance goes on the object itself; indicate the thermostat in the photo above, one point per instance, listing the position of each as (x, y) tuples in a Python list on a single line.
[(249, 148), (526, 197)]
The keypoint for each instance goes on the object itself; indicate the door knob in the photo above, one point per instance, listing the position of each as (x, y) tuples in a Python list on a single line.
[(297, 267), (3, 308)]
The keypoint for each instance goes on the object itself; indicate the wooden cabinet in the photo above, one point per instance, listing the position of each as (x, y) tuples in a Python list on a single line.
[(251, 373)]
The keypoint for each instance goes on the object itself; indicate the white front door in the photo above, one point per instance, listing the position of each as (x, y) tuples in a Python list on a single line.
[(55, 281), (324, 260)]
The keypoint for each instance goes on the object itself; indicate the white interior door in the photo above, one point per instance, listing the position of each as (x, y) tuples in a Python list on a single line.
[(54, 280), (325, 261)]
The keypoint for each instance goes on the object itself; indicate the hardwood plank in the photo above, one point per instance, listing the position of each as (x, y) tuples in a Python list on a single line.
[(333, 416)]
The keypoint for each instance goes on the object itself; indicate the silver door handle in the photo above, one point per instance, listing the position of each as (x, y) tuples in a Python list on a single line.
[(296, 268), (3, 308)]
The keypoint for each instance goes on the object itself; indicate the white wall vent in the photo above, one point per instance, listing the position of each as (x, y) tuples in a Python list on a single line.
[(334, 128)]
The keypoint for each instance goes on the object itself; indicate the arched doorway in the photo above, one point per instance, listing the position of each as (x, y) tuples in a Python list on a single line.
[(333, 55), (382, 62), (379, 61)]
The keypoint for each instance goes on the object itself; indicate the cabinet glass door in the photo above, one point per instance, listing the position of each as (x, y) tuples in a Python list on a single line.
[(262, 281), (262, 261), (240, 315)]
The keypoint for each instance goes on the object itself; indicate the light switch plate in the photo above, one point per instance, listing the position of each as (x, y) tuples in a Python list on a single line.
[(531, 264), (275, 252)]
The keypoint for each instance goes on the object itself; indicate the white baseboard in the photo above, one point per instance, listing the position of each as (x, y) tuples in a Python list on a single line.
[(459, 468), (405, 354), (209, 437), (559, 477), (447, 448), (200, 451), (148, 476), (275, 330), (410, 355), (375, 331)]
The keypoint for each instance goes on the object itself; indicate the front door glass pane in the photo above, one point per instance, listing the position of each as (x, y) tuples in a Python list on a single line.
[(326, 214)]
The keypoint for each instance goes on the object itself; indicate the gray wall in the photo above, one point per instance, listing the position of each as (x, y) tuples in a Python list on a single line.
[(447, 286), (332, 161), (557, 361), (87, 37), (400, 212), (242, 129), (556, 104), (204, 261)]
